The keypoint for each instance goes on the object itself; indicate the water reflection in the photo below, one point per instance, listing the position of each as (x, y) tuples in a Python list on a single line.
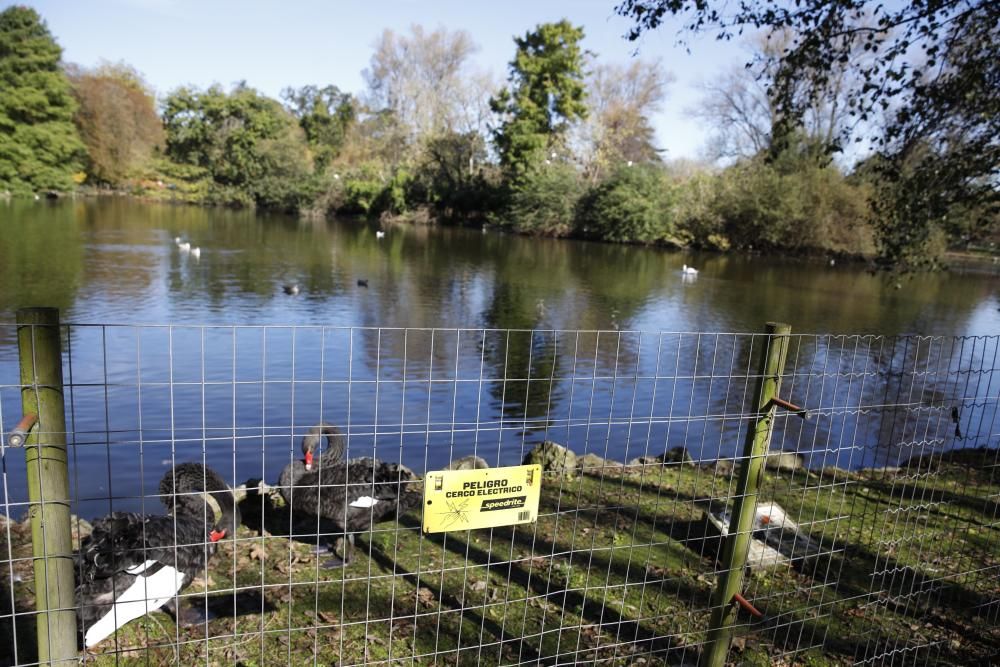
[(114, 260), (464, 343)]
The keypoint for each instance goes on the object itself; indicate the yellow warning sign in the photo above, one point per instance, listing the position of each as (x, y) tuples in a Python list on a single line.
[(466, 499)]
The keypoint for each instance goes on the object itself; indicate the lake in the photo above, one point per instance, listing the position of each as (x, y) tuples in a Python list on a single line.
[(458, 341)]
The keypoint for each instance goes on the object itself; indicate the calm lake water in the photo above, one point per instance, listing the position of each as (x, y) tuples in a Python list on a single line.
[(463, 342)]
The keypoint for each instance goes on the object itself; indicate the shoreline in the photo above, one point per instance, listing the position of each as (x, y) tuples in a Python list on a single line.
[(959, 261)]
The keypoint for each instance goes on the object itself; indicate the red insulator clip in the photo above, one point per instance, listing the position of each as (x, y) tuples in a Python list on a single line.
[(743, 602), (791, 407), (17, 437)]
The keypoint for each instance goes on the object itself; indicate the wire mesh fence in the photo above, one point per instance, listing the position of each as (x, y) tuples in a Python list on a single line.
[(875, 535)]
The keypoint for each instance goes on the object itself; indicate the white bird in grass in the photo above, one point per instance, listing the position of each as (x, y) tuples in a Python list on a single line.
[(775, 528), (689, 270), (379, 234)]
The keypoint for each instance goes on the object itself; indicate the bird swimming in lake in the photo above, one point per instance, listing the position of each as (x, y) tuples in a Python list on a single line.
[(132, 564), (177, 240), (291, 289), (184, 246), (362, 282), (352, 495), (196, 253), (689, 270)]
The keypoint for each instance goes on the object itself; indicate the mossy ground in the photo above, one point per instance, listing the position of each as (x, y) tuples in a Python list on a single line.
[(618, 570)]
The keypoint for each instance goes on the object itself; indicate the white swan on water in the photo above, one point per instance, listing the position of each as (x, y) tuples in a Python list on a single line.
[(689, 270)]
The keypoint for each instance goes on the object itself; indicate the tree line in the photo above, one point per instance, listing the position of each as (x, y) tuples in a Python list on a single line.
[(563, 147)]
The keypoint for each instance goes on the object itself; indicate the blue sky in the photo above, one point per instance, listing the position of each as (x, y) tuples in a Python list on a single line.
[(296, 42)]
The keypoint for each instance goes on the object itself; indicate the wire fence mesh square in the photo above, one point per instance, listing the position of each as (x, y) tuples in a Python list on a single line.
[(876, 534)]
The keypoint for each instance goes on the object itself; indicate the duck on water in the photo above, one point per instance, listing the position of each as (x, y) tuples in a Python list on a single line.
[(352, 495), (133, 564)]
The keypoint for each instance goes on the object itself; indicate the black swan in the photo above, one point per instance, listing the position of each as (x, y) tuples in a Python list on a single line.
[(334, 453), (133, 564), (353, 495), (183, 491)]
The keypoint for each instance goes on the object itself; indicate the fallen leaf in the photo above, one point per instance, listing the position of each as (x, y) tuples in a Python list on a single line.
[(425, 596)]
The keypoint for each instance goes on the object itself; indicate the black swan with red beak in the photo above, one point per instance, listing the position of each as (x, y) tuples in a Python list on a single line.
[(334, 453), (352, 495), (133, 564)]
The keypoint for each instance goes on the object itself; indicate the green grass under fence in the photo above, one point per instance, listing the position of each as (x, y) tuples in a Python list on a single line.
[(618, 570)]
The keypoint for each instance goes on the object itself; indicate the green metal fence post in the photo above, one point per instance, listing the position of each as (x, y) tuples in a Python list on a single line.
[(38, 340), (737, 541)]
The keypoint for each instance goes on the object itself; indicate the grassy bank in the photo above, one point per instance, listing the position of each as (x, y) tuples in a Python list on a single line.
[(617, 570)]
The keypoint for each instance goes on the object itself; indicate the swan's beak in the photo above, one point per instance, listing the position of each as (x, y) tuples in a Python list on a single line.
[(216, 535), (309, 461)]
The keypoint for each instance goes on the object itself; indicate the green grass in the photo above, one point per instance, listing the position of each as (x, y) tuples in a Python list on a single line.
[(618, 571)]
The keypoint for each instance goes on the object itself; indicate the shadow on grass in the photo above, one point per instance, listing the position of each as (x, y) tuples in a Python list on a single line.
[(452, 602), (243, 603), (858, 575), (259, 513), (555, 592), (887, 595), (18, 635)]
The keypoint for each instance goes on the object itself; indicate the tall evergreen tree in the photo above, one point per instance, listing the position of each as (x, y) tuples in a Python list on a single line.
[(547, 93), (39, 145)]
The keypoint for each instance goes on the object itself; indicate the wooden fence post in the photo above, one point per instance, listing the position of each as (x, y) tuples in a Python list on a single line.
[(737, 540), (40, 349)]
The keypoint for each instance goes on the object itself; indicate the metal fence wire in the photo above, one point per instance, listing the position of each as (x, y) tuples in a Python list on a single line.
[(875, 535)]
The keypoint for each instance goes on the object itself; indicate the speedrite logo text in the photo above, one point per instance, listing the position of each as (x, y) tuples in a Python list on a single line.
[(503, 504)]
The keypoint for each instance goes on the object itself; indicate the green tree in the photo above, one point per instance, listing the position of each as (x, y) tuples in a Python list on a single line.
[(455, 178), (39, 146), (325, 115), (810, 209), (546, 94), (930, 70), (251, 147), (633, 206), (117, 120), (545, 204)]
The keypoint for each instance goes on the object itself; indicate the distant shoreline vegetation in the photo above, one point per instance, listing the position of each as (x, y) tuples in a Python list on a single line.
[(564, 148)]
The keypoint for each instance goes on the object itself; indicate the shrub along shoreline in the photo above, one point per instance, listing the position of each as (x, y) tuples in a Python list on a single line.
[(650, 205)]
